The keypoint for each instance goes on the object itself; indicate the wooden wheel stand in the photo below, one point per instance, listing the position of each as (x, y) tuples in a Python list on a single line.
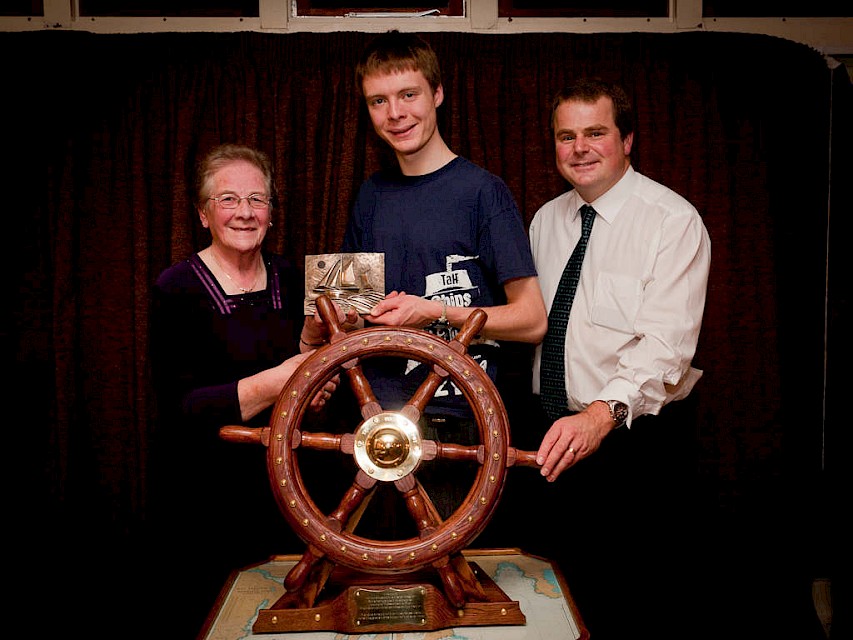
[(356, 602), (350, 584)]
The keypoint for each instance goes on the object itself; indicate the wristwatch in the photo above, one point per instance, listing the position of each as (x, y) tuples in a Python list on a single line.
[(443, 318), (618, 412), (441, 327)]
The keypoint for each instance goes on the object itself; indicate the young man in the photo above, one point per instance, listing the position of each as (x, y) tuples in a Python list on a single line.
[(622, 356), (451, 233)]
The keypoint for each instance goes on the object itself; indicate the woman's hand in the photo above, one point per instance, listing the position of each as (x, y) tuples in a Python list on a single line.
[(322, 396), (259, 391), (315, 333)]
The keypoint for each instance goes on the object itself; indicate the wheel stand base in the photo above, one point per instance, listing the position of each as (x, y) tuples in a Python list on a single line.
[(355, 602)]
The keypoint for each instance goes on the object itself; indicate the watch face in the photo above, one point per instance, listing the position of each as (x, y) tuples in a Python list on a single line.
[(618, 411)]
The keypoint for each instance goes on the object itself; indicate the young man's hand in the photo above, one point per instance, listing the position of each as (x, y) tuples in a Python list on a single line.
[(400, 309)]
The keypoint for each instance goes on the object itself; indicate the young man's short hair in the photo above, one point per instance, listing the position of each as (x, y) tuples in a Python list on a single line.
[(395, 52)]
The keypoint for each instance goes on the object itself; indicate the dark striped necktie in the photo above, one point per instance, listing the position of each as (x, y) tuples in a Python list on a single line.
[(552, 374)]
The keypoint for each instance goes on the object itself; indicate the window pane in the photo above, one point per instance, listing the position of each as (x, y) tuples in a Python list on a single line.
[(341, 7), (777, 8), (584, 8), (370, 4), (22, 8), (170, 8)]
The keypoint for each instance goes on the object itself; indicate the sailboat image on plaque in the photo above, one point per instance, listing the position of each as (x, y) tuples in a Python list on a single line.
[(353, 280)]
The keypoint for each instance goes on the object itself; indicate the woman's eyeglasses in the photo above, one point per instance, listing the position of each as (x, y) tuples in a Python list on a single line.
[(232, 200)]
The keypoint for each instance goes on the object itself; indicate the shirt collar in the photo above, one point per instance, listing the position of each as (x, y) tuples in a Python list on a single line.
[(610, 203)]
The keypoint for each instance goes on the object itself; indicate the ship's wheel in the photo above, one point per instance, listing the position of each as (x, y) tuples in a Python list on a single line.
[(386, 447)]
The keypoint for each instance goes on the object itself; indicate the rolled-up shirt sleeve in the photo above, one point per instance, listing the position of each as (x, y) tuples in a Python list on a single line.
[(655, 367)]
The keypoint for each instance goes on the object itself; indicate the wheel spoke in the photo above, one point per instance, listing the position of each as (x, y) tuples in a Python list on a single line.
[(352, 505), (324, 441), (460, 452), (518, 458), (363, 391), (426, 391), (469, 331), (419, 504), (238, 433), (433, 450), (326, 309)]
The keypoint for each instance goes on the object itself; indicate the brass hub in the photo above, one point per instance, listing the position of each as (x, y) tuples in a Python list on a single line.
[(388, 446)]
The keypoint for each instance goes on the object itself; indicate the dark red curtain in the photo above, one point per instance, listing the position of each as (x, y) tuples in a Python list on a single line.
[(102, 131)]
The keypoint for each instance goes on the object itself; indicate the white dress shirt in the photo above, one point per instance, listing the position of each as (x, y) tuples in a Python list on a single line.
[(638, 308)]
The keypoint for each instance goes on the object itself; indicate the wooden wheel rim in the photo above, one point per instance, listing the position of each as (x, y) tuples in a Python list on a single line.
[(323, 534)]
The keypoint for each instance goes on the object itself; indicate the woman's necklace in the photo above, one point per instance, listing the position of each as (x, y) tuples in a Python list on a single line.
[(243, 289)]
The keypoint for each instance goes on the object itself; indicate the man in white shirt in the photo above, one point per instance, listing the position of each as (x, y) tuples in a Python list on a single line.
[(630, 338), (636, 315)]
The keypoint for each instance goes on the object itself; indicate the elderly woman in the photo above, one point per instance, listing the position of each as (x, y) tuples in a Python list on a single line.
[(228, 319), (228, 330)]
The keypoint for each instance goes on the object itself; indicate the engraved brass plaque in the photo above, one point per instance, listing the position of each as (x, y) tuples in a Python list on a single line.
[(390, 606)]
